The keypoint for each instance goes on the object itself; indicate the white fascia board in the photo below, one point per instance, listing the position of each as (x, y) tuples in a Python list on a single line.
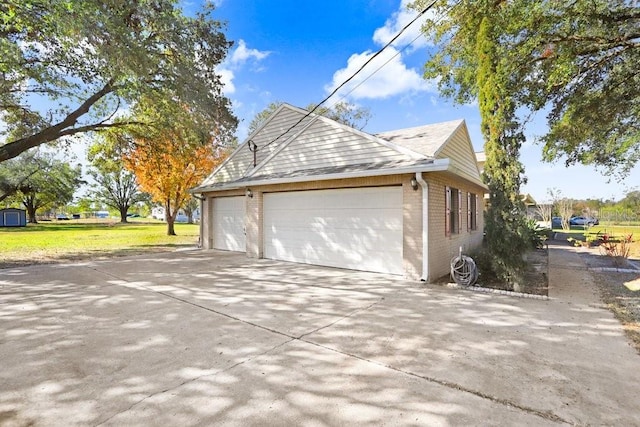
[(439, 165)]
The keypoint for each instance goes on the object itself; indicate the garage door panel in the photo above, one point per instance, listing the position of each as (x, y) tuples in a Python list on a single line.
[(354, 228), (229, 223)]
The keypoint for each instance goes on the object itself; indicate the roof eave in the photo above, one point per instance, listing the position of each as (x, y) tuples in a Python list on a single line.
[(439, 165)]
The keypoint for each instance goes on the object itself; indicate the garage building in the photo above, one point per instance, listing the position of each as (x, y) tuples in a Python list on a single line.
[(307, 189)]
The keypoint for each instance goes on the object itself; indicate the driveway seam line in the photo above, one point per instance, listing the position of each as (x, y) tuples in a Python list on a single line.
[(200, 306), (454, 386), (545, 415), (339, 319), (190, 380)]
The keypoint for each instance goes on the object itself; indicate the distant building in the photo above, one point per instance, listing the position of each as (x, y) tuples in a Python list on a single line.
[(12, 217)]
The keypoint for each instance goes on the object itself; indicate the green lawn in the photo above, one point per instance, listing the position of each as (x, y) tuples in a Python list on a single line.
[(617, 231), (57, 241)]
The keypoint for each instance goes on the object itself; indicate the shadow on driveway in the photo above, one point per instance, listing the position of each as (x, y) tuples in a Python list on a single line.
[(207, 337)]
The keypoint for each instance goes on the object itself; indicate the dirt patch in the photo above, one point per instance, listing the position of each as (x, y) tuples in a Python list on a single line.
[(536, 278), (622, 301)]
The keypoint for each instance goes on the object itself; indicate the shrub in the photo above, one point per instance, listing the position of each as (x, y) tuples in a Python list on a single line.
[(535, 235), (617, 248)]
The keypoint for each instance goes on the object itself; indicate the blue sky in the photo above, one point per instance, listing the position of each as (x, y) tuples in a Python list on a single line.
[(297, 52)]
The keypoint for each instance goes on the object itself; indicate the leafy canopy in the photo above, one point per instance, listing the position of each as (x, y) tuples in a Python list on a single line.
[(70, 67), (115, 186), (49, 187), (173, 156), (578, 60)]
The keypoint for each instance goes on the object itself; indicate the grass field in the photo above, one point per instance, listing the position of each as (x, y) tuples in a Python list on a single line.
[(613, 230), (71, 240)]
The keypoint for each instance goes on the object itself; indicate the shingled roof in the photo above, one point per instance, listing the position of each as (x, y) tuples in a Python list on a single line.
[(319, 148)]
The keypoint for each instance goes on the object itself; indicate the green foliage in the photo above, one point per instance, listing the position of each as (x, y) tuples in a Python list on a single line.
[(49, 187), (577, 60), (506, 229), (115, 186), (535, 235), (14, 172), (471, 63), (90, 58)]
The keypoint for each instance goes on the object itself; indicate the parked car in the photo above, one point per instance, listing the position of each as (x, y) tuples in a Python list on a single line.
[(583, 220), (62, 217), (556, 222)]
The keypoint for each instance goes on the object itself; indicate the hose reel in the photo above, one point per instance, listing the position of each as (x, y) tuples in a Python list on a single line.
[(464, 270)]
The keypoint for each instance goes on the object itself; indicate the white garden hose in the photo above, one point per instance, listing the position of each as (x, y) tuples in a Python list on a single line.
[(463, 270)]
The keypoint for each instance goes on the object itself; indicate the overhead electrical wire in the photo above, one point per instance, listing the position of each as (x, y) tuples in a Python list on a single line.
[(389, 43)]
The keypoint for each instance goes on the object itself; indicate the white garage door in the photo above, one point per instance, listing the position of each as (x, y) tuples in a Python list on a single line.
[(228, 223), (360, 228)]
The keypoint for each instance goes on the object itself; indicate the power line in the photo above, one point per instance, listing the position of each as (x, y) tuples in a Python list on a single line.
[(389, 43), (394, 56)]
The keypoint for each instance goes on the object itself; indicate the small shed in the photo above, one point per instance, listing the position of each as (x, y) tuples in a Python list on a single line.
[(12, 217)]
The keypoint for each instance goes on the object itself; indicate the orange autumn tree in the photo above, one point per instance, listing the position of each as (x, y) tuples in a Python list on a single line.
[(176, 155), (168, 173)]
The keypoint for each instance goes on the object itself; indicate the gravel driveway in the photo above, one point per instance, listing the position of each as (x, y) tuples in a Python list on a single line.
[(205, 337)]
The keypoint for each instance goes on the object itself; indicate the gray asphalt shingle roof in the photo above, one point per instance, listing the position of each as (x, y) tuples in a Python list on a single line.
[(425, 140)]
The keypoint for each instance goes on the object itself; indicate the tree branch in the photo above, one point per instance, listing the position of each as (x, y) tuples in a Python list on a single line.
[(56, 131)]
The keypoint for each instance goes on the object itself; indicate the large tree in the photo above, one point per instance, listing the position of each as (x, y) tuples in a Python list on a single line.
[(471, 65), (50, 187), (15, 172), (69, 67), (175, 155), (115, 186), (578, 60)]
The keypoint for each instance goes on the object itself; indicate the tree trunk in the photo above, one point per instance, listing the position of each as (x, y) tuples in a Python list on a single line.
[(170, 218), (170, 229), (31, 212), (123, 214)]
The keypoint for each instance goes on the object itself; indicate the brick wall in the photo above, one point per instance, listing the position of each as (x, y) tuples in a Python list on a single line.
[(443, 248)]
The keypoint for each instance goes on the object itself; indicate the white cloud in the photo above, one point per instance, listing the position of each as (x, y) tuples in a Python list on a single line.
[(226, 76), (391, 78), (240, 56), (387, 75), (412, 35)]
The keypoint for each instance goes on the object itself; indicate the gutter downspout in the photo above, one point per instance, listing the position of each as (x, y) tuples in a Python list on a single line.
[(425, 226), (201, 238)]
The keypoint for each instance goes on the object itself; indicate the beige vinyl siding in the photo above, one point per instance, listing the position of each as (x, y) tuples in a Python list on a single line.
[(234, 168), (459, 151), (278, 127), (325, 145), (241, 161)]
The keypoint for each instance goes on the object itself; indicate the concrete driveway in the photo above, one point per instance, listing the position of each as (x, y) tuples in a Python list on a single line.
[(213, 338)]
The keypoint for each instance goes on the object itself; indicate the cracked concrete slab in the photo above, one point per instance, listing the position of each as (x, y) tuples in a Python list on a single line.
[(206, 337)]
